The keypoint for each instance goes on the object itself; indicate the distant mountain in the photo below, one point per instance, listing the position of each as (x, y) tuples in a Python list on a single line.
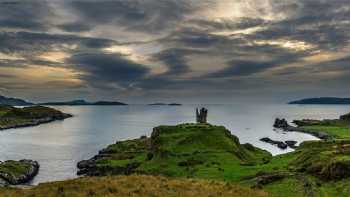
[(170, 104), (158, 104), (83, 102), (13, 101), (323, 101), (175, 104)]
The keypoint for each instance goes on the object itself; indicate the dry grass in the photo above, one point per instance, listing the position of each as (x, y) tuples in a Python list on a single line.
[(135, 186)]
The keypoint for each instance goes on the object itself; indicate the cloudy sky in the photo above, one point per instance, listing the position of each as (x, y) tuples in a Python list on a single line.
[(191, 51)]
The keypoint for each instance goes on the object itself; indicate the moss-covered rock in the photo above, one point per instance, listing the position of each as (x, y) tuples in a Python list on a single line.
[(18, 172), (327, 160)]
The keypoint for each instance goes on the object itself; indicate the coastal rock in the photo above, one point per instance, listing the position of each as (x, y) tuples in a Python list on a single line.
[(267, 178), (291, 144), (86, 167), (306, 122), (281, 123), (345, 117), (10, 175), (336, 170), (279, 144)]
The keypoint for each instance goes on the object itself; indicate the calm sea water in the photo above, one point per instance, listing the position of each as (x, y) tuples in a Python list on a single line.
[(58, 146)]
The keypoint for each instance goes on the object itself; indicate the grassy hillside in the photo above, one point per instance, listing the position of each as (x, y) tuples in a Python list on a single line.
[(338, 129), (187, 150), (211, 152), (136, 186)]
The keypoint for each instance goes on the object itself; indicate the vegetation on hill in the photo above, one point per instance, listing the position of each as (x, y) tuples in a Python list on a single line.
[(211, 152), (12, 117), (337, 129), (137, 186), (187, 150)]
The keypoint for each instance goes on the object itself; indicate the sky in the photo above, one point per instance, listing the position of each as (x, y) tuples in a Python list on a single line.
[(189, 51)]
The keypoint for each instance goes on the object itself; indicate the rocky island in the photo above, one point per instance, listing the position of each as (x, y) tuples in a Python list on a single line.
[(12, 117), (17, 172)]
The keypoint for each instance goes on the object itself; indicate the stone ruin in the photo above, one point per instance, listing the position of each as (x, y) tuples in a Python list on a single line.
[(202, 115)]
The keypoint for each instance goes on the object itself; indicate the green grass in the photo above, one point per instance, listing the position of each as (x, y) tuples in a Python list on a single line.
[(14, 168), (136, 186), (289, 187), (210, 152), (337, 131), (188, 150)]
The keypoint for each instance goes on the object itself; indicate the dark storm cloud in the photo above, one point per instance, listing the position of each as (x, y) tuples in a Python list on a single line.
[(75, 27), (242, 68), (175, 60), (195, 38), (105, 70), (322, 23), (151, 15), (28, 42), (244, 42), (25, 14)]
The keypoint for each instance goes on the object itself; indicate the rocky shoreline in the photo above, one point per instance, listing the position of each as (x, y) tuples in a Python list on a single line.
[(284, 125), (35, 122), (280, 144), (27, 170)]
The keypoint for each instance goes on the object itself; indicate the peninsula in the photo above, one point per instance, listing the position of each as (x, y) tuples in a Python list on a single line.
[(12, 117), (322, 101)]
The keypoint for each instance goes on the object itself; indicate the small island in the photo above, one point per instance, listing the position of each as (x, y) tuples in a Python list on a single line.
[(12, 117), (17, 172), (168, 104), (322, 101)]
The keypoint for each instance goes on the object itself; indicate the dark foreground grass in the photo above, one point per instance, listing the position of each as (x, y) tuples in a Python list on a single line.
[(136, 186)]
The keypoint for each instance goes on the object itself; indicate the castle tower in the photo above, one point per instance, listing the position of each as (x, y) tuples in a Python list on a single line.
[(201, 115)]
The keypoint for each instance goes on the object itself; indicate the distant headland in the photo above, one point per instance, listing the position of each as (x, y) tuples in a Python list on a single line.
[(83, 102), (20, 102), (13, 101), (169, 104), (322, 101)]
